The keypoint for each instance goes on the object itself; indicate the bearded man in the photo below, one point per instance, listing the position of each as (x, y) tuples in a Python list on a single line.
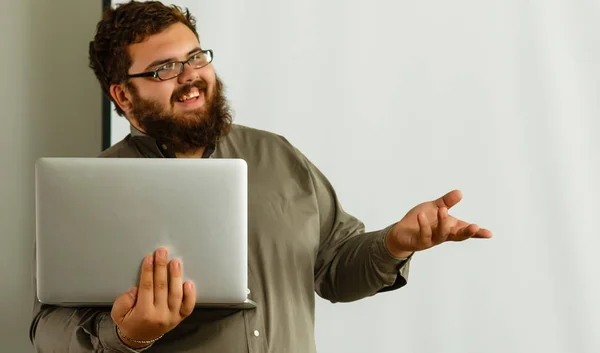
[(150, 61)]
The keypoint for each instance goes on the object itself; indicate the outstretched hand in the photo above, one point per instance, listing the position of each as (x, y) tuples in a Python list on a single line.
[(429, 224)]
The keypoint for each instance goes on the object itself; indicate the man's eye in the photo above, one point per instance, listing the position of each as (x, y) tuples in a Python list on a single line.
[(168, 66)]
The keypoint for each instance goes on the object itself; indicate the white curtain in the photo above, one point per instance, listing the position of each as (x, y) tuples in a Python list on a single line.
[(401, 101)]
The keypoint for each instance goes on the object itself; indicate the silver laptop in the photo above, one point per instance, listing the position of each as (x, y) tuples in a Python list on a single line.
[(97, 218)]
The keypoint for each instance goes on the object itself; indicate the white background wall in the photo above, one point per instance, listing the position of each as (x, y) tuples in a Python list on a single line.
[(400, 101), (49, 106), (397, 102)]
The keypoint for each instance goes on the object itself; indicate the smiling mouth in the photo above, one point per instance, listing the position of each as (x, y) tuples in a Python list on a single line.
[(191, 96)]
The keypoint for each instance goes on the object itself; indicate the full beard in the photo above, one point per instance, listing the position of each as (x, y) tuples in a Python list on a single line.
[(187, 132)]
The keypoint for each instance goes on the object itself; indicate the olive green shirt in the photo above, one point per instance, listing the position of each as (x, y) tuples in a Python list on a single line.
[(300, 241)]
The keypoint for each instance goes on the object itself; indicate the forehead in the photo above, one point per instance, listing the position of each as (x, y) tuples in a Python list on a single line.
[(175, 42)]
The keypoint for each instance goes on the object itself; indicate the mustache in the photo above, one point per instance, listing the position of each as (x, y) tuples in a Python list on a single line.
[(183, 90)]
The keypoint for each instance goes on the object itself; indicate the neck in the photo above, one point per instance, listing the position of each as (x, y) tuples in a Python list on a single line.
[(192, 154)]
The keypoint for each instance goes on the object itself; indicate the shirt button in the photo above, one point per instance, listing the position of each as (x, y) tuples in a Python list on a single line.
[(164, 147), (256, 333), (248, 291)]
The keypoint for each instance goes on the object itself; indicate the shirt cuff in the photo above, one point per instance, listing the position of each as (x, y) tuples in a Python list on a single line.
[(386, 263), (107, 332)]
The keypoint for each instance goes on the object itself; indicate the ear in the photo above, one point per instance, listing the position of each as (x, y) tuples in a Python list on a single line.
[(122, 97)]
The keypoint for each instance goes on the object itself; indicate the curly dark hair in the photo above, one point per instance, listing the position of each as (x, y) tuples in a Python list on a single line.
[(126, 24)]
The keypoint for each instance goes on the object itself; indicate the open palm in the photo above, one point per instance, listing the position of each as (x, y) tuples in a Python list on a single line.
[(429, 224)]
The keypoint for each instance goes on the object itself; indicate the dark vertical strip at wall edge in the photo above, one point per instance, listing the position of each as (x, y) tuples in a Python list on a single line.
[(105, 122), (105, 102)]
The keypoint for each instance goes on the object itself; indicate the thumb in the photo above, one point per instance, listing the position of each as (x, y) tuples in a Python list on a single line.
[(449, 200), (124, 303)]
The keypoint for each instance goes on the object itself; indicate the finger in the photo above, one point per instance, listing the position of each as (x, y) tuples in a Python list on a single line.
[(424, 230), (465, 232), (189, 299), (483, 233), (123, 304), (443, 228), (478, 232), (175, 286), (449, 200), (146, 287), (461, 224), (161, 290)]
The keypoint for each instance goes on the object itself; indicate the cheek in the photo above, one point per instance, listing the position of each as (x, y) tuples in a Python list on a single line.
[(159, 92), (212, 86), (208, 76)]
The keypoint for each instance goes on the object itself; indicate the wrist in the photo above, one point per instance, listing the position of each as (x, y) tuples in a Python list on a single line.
[(133, 343), (393, 248)]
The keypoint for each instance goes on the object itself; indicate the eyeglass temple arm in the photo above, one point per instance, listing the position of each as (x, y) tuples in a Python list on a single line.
[(144, 74)]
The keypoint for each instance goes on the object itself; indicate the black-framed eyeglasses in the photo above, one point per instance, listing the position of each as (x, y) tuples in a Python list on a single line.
[(175, 68)]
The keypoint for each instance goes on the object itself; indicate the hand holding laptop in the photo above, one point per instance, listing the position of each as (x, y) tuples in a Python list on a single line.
[(145, 313)]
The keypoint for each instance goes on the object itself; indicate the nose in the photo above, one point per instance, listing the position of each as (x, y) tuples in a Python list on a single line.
[(189, 74)]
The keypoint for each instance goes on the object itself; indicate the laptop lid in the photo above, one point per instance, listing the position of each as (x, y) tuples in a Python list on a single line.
[(96, 219)]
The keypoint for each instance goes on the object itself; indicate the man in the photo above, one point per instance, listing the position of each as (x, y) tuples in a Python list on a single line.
[(150, 62)]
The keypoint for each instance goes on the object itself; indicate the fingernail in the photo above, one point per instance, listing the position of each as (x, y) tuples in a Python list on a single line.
[(150, 260), (133, 292), (161, 253)]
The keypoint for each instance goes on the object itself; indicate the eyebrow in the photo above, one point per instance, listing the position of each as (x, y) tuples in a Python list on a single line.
[(164, 61)]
